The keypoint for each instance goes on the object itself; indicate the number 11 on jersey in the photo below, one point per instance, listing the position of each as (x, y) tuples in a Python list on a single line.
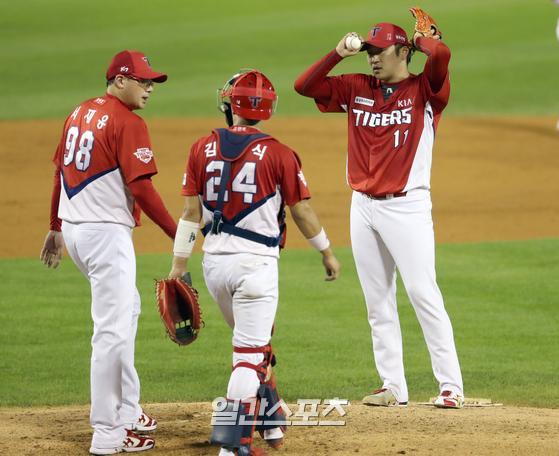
[(397, 138)]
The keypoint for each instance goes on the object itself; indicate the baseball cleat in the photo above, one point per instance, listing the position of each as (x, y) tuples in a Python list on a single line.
[(144, 424), (132, 443), (448, 399), (102, 451), (273, 437), (383, 398)]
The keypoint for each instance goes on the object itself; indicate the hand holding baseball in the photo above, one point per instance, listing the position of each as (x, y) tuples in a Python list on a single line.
[(349, 45)]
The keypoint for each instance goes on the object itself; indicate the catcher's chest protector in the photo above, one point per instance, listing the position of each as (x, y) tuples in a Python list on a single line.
[(232, 147)]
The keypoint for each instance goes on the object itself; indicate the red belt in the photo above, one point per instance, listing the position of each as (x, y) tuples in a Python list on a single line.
[(387, 196)]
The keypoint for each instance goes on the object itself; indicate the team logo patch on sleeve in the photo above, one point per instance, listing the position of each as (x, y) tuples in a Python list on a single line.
[(144, 154)]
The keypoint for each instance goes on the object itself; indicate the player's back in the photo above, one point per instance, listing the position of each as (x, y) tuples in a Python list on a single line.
[(262, 176), (99, 153)]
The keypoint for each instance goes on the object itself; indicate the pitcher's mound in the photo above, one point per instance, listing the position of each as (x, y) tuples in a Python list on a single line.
[(416, 430)]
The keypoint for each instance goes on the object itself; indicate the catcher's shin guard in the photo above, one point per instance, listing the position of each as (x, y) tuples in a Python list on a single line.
[(271, 414), (236, 433)]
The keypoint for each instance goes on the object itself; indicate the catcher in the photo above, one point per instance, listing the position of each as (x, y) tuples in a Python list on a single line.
[(238, 180)]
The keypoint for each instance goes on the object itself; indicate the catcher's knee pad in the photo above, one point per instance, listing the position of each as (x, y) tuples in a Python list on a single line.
[(236, 426), (262, 369)]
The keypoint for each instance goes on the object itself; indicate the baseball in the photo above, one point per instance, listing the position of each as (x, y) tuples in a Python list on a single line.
[(353, 43)]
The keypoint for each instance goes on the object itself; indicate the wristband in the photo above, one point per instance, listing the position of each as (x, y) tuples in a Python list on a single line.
[(320, 242), (185, 238)]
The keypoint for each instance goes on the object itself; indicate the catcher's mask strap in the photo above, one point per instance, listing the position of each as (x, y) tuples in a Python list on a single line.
[(259, 85), (250, 92), (228, 114)]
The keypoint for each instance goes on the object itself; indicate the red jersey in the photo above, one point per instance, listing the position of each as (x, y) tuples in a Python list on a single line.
[(104, 146), (390, 141), (266, 176)]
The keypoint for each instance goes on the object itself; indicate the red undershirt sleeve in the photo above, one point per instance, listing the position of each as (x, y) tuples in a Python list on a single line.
[(436, 66), (55, 222), (151, 203), (313, 82)]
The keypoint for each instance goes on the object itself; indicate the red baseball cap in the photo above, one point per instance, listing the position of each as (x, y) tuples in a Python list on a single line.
[(385, 34), (133, 63)]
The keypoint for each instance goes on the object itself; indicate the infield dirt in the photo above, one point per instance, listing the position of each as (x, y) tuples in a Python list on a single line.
[(184, 429), (493, 179)]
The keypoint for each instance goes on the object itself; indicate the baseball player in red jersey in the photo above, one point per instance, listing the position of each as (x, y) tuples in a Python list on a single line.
[(104, 164), (237, 181), (392, 116)]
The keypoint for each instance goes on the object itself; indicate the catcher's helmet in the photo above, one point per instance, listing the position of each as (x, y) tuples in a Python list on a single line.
[(249, 94)]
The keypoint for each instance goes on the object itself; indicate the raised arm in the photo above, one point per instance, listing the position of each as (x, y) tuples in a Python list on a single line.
[(313, 82), (438, 57)]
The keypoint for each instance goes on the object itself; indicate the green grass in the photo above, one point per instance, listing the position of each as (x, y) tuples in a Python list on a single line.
[(501, 297), (55, 53)]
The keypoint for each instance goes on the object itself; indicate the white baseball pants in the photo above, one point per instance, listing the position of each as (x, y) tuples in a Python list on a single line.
[(104, 253), (245, 286), (391, 233)]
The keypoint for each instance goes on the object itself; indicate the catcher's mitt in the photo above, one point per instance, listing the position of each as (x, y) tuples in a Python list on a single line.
[(425, 24), (178, 307)]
